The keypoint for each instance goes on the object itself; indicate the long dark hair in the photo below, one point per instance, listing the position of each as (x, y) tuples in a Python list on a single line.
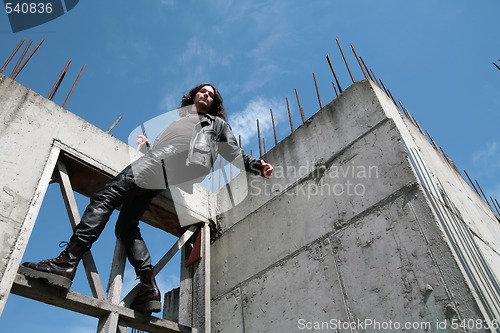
[(217, 108)]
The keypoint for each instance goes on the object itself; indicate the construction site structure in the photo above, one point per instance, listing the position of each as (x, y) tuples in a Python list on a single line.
[(366, 226)]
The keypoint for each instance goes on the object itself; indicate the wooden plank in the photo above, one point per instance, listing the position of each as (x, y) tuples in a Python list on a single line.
[(70, 300), (186, 293), (206, 263), (201, 286), (74, 216), (109, 323)]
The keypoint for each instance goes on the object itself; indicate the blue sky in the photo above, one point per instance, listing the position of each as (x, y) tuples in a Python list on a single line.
[(434, 55)]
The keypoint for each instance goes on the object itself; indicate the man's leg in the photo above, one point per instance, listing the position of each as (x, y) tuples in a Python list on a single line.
[(61, 270), (127, 230)]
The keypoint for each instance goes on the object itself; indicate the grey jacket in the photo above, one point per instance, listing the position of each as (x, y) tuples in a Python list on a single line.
[(216, 137), (213, 137)]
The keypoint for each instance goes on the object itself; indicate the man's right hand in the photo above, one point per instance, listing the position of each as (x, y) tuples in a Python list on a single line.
[(141, 139)]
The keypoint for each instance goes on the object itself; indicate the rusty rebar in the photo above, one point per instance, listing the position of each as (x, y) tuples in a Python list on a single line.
[(496, 66), (317, 91), (431, 139), (258, 137), (28, 59), (407, 113), (480, 189), (383, 87), (444, 154), (375, 77), (403, 109), (497, 203), (289, 115), (239, 140), (114, 124), (74, 85), (333, 72), (392, 97), (359, 62), (14, 70), (300, 107), (335, 89), (12, 55), (56, 85), (415, 122), (274, 127), (366, 68), (345, 61), (264, 145), (470, 180), (494, 205)]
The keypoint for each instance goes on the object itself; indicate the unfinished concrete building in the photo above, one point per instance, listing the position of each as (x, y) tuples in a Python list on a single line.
[(366, 226)]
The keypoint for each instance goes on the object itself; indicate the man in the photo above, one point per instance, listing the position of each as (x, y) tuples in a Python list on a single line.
[(183, 154)]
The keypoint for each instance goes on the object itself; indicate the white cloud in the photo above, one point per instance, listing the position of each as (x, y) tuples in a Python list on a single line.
[(199, 51), (488, 154), (170, 101), (244, 123)]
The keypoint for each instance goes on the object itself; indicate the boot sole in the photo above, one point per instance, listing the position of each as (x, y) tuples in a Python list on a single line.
[(54, 279), (148, 307)]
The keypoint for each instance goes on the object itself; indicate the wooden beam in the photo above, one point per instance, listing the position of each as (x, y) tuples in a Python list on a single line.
[(73, 301), (74, 217)]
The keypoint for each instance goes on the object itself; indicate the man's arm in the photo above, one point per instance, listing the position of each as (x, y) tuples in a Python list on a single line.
[(229, 149)]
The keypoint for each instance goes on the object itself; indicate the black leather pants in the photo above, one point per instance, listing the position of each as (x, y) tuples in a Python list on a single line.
[(121, 190)]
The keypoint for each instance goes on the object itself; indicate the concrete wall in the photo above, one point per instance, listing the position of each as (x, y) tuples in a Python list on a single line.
[(365, 223)]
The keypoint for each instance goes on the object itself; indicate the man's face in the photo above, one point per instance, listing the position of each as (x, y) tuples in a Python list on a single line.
[(204, 98)]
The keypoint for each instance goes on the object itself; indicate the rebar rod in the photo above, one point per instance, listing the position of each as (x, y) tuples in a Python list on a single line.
[(289, 114), (431, 139), (366, 68), (335, 89), (345, 61), (494, 205), (12, 55), (74, 85), (114, 124), (359, 62), (472, 183), (56, 85), (274, 127), (333, 72), (258, 137), (14, 71), (300, 107), (28, 59), (317, 91), (480, 189)]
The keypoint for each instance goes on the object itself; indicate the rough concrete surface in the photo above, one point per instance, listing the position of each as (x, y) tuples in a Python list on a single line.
[(412, 249)]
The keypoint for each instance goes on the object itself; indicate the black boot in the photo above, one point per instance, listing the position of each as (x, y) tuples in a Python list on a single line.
[(58, 271), (148, 299)]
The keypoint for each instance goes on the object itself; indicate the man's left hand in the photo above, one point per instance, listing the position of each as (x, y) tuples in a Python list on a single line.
[(267, 169)]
